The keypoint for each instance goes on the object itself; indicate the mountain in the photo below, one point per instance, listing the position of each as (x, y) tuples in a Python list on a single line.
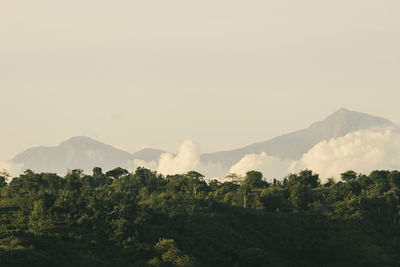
[(85, 153), (293, 145), (148, 154), (78, 152)]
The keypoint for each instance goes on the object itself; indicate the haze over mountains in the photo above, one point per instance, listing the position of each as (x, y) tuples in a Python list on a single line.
[(293, 145), (78, 152), (85, 153)]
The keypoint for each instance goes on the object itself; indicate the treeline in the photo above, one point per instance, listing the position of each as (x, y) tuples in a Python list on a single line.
[(143, 218)]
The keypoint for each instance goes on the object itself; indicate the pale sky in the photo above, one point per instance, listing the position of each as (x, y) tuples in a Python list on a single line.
[(225, 73)]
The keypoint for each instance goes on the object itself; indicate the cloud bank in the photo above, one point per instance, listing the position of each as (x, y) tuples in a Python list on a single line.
[(361, 151), (187, 159), (271, 167)]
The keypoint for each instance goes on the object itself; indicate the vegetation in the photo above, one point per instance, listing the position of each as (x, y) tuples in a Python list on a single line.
[(119, 218)]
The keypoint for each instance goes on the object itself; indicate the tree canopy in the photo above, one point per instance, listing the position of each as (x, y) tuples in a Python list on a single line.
[(142, 218)]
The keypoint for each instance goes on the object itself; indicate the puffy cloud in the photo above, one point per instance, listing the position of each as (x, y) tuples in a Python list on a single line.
[(361, 151), (271, 167), (187, 159)]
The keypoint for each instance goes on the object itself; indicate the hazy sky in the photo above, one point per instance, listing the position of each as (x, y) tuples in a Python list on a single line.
[(225, 73)]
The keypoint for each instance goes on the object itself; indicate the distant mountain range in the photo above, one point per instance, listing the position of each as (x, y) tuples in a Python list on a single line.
[(85, 153), (293, 145), (80, 152)]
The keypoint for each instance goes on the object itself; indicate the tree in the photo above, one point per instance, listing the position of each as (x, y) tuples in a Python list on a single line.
[(196, 179), (299, 196), (117, 173), (394, 178), (308, 178), (273, 199), (234, 178), (349, 176), (305, 177), (253, 179), (168, 253), (329, 182), (97, 171), (4, 176), (73, 180), (365, 181), (214, 185), (244, 189), (380, 180)]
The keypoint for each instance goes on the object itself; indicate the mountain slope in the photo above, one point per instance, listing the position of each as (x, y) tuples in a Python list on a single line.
[(293, 145), (86, 153), (148, 154), (78, 152)]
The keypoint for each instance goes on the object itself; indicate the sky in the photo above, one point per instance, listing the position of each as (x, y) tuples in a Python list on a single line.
[(225, 73)]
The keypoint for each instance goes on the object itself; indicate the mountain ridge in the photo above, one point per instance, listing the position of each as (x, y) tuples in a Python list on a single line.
[(85, 153), (335, 125)]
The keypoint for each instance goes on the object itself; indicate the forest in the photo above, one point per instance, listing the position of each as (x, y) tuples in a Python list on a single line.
[(142, 218)]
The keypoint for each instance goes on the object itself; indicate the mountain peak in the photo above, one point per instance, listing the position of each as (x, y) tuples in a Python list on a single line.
[(293, 145), (77, 152), (82, 141), (346, 114), (343, 110), (344, 121), (343, 113)]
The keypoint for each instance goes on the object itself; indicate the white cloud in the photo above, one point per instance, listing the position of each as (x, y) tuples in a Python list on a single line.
[(361, 151), (271, 167), (187, 159)]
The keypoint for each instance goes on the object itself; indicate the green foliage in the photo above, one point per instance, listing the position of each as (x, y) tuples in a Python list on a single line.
[(275, 199), (145, 219), (305, 177), (253, 179), (394, 178), (349, 176), (170, 255), (4, 175), (117, 173)]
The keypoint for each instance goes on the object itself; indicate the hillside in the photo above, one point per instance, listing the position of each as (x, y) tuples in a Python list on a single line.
[(146, 219)]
